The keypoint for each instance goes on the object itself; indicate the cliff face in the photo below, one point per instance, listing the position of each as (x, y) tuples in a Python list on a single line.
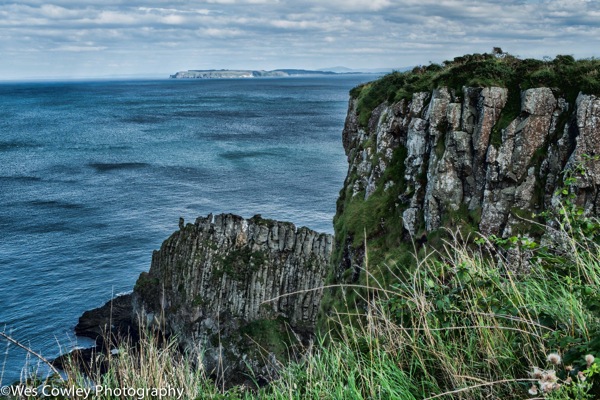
[(217, 284), (483, 155)]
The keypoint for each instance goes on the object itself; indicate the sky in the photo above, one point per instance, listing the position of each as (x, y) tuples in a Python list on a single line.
[(110, 38)]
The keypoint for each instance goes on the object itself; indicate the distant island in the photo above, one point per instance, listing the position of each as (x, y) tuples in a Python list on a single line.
[(240, 73)]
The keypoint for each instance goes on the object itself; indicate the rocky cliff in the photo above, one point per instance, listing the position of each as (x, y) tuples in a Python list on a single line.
[(486, 157), (239, 292), (477, 156)]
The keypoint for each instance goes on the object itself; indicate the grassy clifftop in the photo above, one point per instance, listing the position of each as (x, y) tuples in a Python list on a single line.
[(564, 74)]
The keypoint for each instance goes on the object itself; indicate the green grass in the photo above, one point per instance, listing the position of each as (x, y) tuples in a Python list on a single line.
[(240, 263), (458, 325)]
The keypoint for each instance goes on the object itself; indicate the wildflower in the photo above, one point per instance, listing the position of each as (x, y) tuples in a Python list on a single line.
[(547, 387), (533, 390), (549, 376), (589, 359), (569, 368), (537, 373), (554, 358), (581, 376), (568, 381)]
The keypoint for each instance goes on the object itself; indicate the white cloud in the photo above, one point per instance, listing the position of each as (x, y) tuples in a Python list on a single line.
[(220, 33), (310, 33), (78, 49), (353, 5), (56, 12)]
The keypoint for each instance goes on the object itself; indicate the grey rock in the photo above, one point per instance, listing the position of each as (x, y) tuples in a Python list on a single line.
[(216, 282), (538, 101), (457, 157)]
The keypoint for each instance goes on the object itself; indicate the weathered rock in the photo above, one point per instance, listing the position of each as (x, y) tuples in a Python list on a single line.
[(416, 145), (231, 288), (113, 317), (458, 158), (508, 166), (587, 151), (108, 325)]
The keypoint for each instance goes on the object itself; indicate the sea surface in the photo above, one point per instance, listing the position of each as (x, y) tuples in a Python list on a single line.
[(95, 175)]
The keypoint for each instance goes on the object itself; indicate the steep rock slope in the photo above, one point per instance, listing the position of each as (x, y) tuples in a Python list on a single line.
[(486, 157), (239, 292)]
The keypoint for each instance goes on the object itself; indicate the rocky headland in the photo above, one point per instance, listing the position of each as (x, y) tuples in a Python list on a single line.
[(243, 73), (427, 150), (455, 162)]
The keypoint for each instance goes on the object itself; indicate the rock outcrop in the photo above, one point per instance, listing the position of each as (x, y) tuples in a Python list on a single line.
[(483, 152), (114, 317), (242, 293)]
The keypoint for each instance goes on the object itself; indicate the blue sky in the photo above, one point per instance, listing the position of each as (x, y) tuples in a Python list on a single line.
[(92, 38)]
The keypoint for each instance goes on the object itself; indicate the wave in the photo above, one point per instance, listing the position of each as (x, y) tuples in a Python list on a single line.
[(56, 204), (143, 119), (10, 145), (240, 155), (53, 227), (22, 178), (107, 167), (217, 114)]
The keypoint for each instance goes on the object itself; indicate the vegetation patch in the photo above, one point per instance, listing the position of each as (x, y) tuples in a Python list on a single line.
[(239, 264), (564, 74), (259, 220), (269, 335), (509, 113), (356, 217), (148, 288)]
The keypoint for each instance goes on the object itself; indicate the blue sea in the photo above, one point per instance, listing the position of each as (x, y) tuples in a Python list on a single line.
[(95, 175)]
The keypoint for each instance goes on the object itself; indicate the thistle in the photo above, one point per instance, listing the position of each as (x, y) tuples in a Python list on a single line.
[(589, 359), (554, 358)]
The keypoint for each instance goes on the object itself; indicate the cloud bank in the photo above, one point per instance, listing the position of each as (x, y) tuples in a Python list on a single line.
[(65, 38)]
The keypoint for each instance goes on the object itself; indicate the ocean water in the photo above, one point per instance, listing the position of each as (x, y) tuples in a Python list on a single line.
[(95, 175)]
